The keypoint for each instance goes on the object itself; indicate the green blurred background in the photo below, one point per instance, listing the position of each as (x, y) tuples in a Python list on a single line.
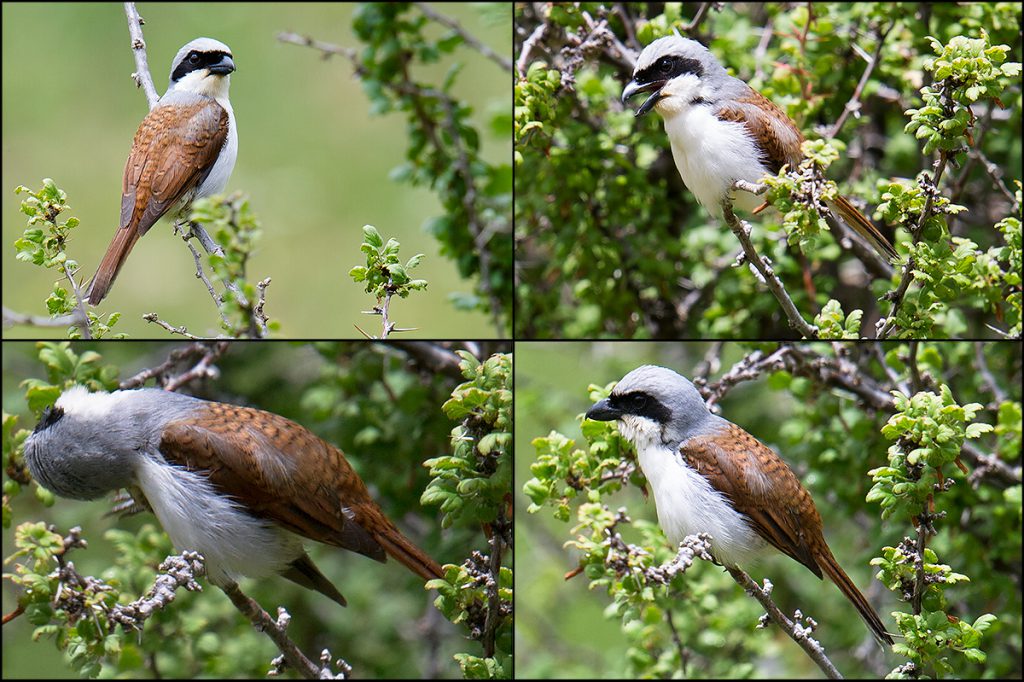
[(314, 161)]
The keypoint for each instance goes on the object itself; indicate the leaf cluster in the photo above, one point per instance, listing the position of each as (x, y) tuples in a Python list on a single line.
[(472, 484), (443, 151)]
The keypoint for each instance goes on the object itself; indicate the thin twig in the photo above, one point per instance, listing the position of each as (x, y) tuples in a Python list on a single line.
[(204, 369), (770, 279), (275, 630), (431, 356), (698, 18), (493, 616), (328, 49), (201, 275), (180, 331), (207, 354), (995, 173), (486, 51), (854, 103), (811, 647), (528, 45), (142, 77), (259, 317), (211, 247), (991, 467), (75, 319)]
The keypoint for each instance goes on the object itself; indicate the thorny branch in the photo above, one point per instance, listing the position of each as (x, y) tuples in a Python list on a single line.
[(762, 266)]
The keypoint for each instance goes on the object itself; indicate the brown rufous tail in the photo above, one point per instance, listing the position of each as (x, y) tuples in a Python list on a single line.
[(862, 226), (401, 549), (113, 259), (837, 575)]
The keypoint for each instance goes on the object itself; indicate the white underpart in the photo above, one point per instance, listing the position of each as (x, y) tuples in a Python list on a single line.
[(198, 519), (686, 502), (710, 154)]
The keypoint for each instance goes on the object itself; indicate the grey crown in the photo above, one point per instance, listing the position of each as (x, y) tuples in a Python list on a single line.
[(664, 396), (81, 456)]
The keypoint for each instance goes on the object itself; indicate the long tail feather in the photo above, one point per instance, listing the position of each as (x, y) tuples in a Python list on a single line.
[(862, 226), (409, 555), (117, 252)]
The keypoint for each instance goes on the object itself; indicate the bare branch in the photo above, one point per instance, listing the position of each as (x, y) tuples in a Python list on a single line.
[(275, 630), (142, 77), (854, 103), (77, 319), (761, 265), (486, 51), (180, 331), (798, 634), (203, 354)]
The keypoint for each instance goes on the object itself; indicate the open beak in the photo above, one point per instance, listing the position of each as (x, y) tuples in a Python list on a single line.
[(634, 88)]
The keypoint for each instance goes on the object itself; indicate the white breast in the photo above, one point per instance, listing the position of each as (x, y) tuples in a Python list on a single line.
[(688, 504), (196, 518), (711, 155)]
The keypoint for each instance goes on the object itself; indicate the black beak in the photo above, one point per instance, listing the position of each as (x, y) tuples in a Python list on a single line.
[(633, 88), (223, 67), (602, 411)]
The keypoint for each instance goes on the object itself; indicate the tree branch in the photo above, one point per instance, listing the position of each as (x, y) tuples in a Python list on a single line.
[(142, 77), (761, 265), (505, 64), (275, 630), (797, 633)]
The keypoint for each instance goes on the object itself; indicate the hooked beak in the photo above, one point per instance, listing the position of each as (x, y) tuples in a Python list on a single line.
[(602, 411), (222, 68), (634, 88)]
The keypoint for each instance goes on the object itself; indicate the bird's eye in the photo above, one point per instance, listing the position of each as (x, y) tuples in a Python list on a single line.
[(638, 401), (193, 58), (664, 65)]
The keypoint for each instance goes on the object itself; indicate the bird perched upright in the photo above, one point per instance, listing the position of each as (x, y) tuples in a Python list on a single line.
[(710, 476), (721, 130), (184, 149), (239, 485)]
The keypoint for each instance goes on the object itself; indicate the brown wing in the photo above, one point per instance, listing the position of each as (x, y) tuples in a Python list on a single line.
[(740, 466), (281, 472), (174, 149), (770, 126)]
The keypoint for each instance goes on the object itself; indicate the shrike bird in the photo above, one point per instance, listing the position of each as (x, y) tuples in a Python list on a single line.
[(710, 476), (184, 149), (722, 130), (239, 485)]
